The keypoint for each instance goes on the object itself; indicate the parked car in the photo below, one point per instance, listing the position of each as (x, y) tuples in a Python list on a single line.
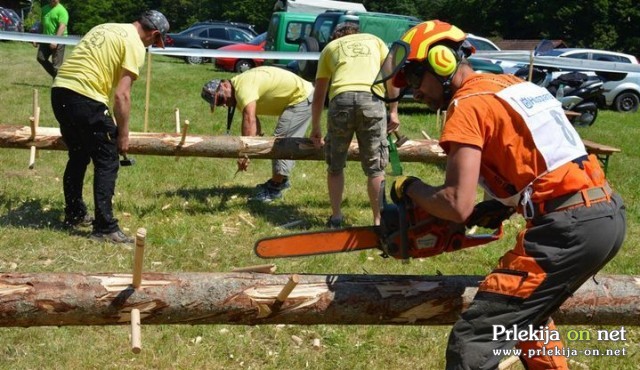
[(481, 43), (10, 20), (242, 64), (208, 36), (246, 26), (621, 90)]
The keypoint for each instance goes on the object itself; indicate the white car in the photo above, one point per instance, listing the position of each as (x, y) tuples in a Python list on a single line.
[(624, 94), (481, 43)]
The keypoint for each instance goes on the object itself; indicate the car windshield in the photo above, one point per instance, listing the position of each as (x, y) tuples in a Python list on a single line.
[(481, 45), (258, 39), (553, 53)]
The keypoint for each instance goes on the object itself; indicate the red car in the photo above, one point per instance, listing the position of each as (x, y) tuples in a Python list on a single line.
[(238, 64)]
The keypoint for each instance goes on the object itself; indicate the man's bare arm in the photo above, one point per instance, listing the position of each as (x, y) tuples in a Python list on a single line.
[(455, 199), (122, 109)]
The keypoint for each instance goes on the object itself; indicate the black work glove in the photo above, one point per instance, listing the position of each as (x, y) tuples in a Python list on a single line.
[(399, 188), (489, 214)]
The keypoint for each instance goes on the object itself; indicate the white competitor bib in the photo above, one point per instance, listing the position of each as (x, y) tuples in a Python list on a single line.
[(553, 134)]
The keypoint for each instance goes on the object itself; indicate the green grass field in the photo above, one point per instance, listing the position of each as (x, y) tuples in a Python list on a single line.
[(194, 211)]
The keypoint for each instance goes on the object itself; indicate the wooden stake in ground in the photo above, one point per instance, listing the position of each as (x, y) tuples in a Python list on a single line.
[(146, 98), (34, 123), (530, 66), (177, 121)]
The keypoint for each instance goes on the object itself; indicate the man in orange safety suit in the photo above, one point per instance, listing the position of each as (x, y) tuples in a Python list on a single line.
[(512, 138)]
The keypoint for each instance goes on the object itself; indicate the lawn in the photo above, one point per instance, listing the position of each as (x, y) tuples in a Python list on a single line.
[(195, 211)]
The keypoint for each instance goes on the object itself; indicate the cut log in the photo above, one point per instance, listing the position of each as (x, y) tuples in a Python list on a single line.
[(55, 299), (168, 144)]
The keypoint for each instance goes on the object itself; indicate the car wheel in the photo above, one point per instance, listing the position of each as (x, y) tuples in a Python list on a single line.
[(308, 68), (627, 102), (243, 65), (194, 60)]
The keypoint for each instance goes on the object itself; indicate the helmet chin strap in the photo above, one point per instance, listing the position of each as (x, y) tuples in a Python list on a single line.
[(447, 92)]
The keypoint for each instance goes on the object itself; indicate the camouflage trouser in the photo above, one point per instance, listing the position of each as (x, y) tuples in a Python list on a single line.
[(293, 122), (57, 56), (361, 113)]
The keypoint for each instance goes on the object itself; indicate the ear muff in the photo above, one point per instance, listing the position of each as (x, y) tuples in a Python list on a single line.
[(443, 60)]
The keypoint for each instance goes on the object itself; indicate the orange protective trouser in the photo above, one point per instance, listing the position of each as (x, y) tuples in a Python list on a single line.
[(553, 257)]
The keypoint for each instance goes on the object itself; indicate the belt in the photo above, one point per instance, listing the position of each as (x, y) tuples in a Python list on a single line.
[(583, 197)]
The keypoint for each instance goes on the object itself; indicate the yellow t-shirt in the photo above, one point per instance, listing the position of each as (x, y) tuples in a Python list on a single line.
[(96, 64), (272, 88), (352, 63)]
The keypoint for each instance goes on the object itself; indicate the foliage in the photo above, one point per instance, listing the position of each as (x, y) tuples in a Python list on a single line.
[(195, 209), (603, 24)]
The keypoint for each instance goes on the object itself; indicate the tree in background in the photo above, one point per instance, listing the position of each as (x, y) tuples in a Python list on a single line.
[(602, 24)]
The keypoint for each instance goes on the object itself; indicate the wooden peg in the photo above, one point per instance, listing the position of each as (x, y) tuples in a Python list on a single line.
[(178, 130), (426, 136), (138, 257), (183, 139), (284, 293), (147, 93), (136, 335)]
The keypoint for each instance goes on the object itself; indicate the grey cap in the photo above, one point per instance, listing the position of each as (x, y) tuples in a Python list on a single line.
[(154, 20), (209, 92)]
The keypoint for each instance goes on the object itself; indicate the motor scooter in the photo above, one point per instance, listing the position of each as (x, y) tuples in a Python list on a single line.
[(578, 93)]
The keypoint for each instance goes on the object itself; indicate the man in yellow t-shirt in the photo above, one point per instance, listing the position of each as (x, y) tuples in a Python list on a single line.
[(108, 58), (266, 91), (349, 64)]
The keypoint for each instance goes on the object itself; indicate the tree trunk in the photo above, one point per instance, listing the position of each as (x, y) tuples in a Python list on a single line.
[(168, 144), (55, 299)]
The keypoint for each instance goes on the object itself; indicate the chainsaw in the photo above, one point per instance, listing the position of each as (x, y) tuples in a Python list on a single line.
[(406, 231)]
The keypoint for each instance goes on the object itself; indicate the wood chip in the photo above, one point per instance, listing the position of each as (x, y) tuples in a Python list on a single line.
[(264, 269), (248, 222), (297, 340)]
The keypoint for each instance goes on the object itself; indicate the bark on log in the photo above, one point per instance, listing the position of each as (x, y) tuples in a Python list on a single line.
[(168, 144), (55, 299)]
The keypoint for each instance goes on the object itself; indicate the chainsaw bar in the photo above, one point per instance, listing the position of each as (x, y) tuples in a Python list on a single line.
[(318, 242)]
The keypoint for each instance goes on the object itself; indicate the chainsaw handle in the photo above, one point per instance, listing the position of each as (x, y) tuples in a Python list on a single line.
[(404, 231), (468, 241)]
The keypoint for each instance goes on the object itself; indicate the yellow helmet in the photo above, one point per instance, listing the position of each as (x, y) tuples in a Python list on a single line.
[(422, 37), (434, 46)]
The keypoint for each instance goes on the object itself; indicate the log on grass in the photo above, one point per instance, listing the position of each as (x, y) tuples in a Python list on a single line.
[(168, 144), (56, 299)]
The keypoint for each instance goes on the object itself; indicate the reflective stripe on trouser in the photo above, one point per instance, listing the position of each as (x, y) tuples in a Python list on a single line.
[(362, 114), (552, 258), (293, 122)]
